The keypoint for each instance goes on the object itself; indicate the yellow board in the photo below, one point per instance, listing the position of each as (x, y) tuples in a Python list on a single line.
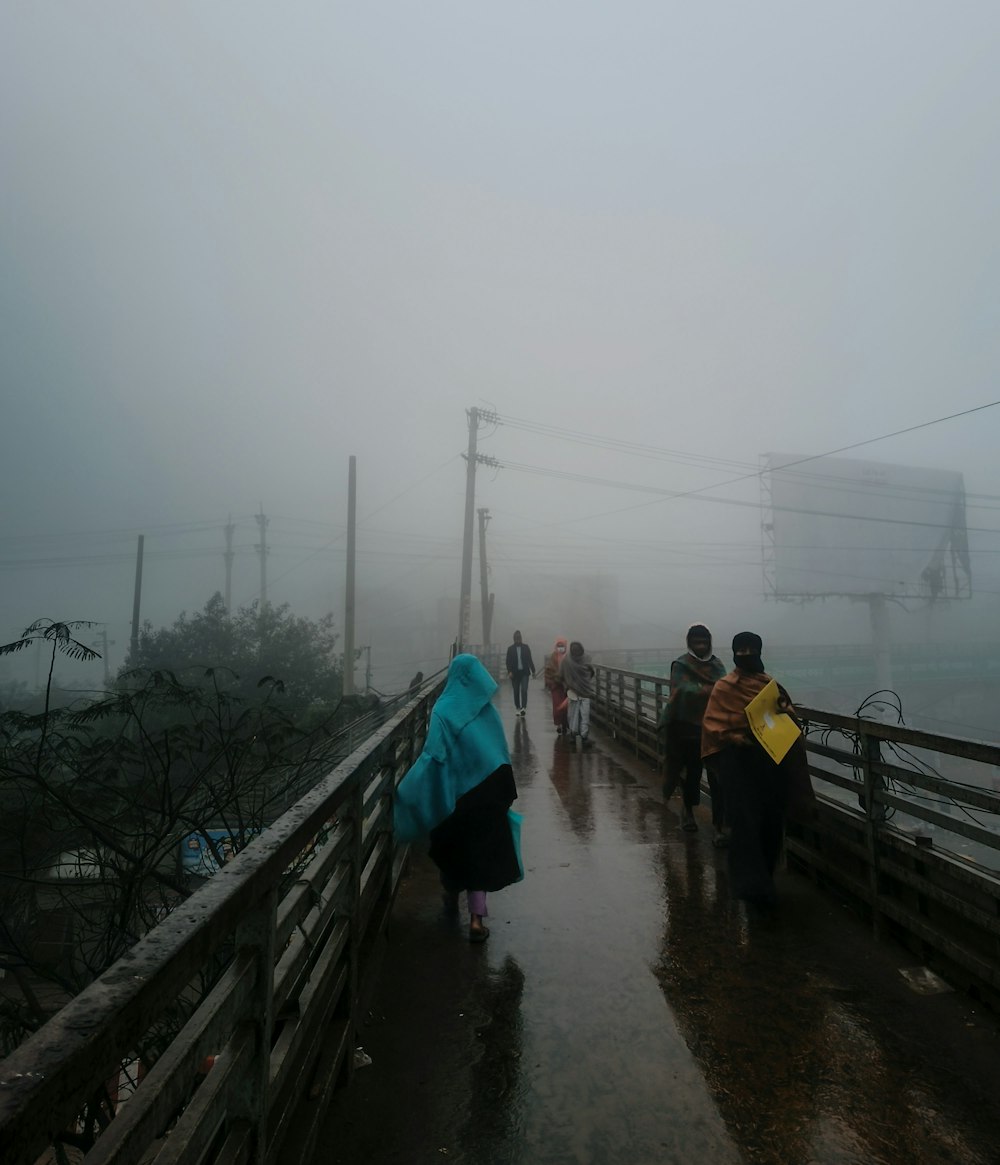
[(775, 730)]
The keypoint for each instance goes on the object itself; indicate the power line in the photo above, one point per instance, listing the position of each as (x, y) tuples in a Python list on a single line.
[(698, 495), (662, 453), (896, 433), (378, 509), (756, 473)]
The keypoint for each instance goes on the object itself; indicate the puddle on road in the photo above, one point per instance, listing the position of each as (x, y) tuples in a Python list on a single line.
[(626, 1009)]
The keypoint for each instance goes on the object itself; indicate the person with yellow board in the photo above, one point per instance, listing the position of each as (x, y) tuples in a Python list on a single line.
[(750, 731)]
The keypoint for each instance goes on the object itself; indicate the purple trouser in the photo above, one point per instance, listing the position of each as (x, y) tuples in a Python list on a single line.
[(476, 898)]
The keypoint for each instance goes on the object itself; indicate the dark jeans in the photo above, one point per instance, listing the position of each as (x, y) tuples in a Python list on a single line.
[(754, 788), (519, 681), (683, 763), (716, 792)]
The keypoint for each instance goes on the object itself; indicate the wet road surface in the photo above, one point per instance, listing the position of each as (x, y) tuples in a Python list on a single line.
[(625, 1009)]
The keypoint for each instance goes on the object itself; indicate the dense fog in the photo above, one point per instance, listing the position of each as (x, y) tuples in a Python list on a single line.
[(651, 244)]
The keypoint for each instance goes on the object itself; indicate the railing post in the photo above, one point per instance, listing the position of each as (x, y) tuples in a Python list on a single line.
[(637, 698), (250, 1094), (658, 712), (871, 754), (347, 1007)]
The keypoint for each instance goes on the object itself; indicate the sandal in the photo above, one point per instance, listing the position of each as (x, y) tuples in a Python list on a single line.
[(478, 934)]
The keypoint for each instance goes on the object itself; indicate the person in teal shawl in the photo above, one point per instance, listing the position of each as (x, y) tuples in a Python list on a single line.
[(459, 792)]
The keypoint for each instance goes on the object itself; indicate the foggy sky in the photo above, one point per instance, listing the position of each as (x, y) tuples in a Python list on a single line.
[(241, 243)]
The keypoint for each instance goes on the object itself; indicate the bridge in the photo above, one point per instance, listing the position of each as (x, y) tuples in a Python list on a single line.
[(318, 1007)]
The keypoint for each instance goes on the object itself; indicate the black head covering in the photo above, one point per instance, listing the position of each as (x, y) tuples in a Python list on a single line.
[(748, 641), (699, 631)]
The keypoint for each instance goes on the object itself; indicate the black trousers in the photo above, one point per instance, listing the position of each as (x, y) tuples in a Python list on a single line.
[(717, 793), (755, 794), (683, 764), (519, 681)]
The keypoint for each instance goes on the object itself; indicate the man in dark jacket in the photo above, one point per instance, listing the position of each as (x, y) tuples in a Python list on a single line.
[(520, 665)]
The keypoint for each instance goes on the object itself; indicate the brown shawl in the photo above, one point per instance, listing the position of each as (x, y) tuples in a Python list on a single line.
[(725, 723), (552, 663), (725, 720)]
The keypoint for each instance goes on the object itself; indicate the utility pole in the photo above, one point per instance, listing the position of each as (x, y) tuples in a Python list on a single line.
[(352, 491), (261, 549), (472, 457), (878, 615), (103, 644), (134, 650), (486, 598), (228, 556)]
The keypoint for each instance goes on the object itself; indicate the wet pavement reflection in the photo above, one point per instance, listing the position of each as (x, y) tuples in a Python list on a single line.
[(625, 1009)]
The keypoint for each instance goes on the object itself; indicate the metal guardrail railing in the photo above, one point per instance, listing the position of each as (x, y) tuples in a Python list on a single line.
[(906, 824), (287, 938), (259, 980)]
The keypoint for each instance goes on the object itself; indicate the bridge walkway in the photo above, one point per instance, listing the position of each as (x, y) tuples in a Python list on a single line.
[(625, 1009)]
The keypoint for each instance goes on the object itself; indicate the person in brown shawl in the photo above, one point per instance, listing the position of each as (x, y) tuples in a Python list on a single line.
[(692, 677), (555, 687), (756, 790)]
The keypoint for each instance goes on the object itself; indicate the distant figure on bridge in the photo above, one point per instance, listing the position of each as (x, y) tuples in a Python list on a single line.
[(755, 789), (415, 683), (459, 792), (520, 665), (577, 674), (692, 677), (555, 687)]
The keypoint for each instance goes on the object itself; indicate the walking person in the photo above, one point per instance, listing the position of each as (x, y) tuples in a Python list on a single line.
[(459, 792), (577, 675), (692, 677), (555, 687), (520, 665), (754, 787)]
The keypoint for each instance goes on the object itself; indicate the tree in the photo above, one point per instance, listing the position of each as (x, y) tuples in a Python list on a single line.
[(98, 800), (254, 644)]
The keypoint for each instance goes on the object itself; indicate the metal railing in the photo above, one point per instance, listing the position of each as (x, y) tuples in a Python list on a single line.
[(906, 825), (289, 934), (258, 980)]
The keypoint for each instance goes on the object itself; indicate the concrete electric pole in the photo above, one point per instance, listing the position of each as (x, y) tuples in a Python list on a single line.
[(102, 643), (228, 556), (261, 549), (472, 457), (486, 599), (134, 646), (352, 505)]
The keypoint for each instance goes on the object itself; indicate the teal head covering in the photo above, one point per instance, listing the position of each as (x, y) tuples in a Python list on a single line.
[(465, 744)]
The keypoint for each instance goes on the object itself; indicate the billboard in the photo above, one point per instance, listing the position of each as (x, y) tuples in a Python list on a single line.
[(201, 852), (836, 526)]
